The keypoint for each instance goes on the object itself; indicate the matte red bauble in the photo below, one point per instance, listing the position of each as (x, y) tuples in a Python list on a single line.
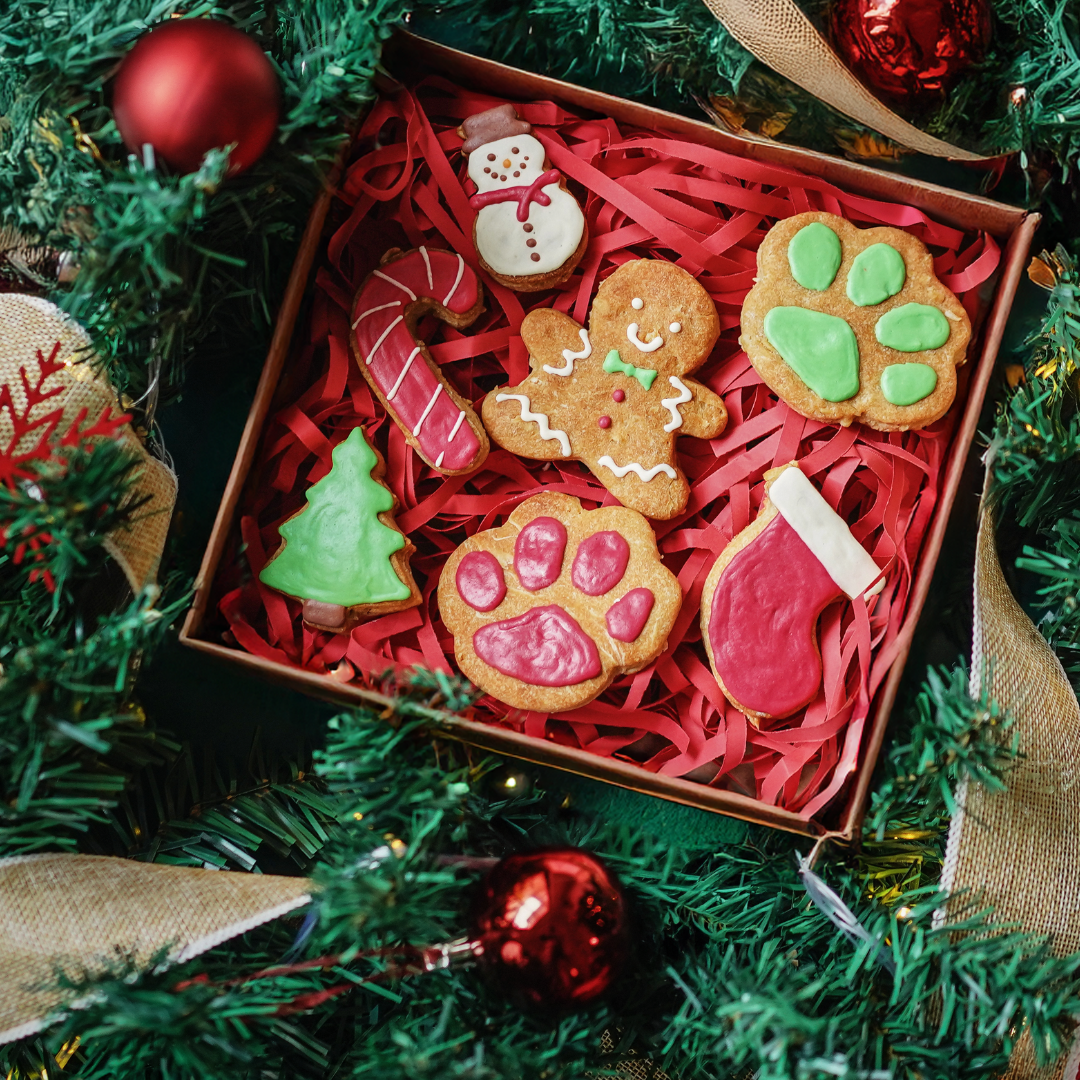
[(191, 85), (550, 928), (910, 52)]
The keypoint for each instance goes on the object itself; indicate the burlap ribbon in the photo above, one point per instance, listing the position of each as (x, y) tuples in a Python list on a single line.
[(780, 35), (29, 324)]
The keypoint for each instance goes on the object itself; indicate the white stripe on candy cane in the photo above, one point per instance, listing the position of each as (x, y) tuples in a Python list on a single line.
[(427, 263), (394, 281), (424, 415), (457, 280), (454, 429), (371, 311), (404, 371), (382, 338)]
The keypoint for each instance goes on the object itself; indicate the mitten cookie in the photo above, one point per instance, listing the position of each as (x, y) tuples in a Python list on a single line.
[(529, 231), (438, 423), (762, 598), (618, 395), (549, 609), (343, 554), (852, 324)]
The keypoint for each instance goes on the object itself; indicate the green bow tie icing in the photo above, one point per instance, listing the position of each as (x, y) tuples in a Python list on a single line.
[(876, 274), (904, 384), (821, 349), (912, 328), (613, 363), (814, 256)]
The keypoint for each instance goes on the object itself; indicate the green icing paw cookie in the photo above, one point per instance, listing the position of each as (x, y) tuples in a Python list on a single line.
[(852, 324)]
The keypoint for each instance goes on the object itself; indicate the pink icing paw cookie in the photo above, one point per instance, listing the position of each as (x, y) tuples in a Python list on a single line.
[(619, 394), (549, 609), (438, 423), (762, 598)]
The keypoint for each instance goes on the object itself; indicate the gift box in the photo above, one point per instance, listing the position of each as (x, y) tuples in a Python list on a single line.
[(656, 185)]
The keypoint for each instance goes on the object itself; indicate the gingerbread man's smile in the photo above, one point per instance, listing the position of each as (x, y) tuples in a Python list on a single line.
[(644, 346)]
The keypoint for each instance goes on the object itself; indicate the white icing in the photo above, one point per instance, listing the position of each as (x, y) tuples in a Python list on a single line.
[(825, 533), (547, 432), (637, 303), (672, 403), (371, 311), (675, 327), (427, 263), (570, 357), (457, 280), (631, 336), (644, 474), (382, 338), (401, 377), (394, 281), (454, 429), (438, 460), (427, 408)]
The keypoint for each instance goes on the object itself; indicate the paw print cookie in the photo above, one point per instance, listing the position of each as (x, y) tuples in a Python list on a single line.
[(852, 324), (618, 395), (549, 609)]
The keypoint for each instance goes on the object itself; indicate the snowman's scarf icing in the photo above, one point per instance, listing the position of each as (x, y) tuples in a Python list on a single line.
[(523, 196)]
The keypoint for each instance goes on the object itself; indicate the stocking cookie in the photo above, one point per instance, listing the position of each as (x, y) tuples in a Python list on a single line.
[(343, 554), (438, 423), (529, 231), (852, 324), (549, 609), (763, 597), (618, 395)]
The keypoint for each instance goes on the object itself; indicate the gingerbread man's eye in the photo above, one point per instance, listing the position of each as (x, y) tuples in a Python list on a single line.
[(637, 303), (675, 327)]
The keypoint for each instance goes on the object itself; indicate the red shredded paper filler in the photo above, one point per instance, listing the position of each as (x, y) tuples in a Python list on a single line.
[(646, 194)]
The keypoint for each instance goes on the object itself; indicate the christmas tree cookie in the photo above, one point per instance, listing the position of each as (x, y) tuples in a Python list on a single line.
[(852, 324), (343, 555)]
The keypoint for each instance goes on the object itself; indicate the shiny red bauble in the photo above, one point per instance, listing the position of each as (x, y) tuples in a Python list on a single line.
[(191, 85), (550, 928), (910, 52)]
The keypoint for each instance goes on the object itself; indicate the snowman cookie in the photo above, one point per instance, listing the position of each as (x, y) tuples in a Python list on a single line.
[(616, 396), (529, 230)]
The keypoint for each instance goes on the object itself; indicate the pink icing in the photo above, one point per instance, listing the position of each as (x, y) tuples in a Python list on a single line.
[(441, 430), (600, 563), (626, 618), (543, 647), (538, 553), (480, 581), (522, 195), (763, 624)]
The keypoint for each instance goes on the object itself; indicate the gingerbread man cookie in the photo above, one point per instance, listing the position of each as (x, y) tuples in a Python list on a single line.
[(616, 396)]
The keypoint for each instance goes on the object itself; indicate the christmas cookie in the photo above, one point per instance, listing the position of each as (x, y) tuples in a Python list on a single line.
[(762, 598), (616, 396), (852, 324), (438, 423), (549, 609), (342, 554), (529, 231)]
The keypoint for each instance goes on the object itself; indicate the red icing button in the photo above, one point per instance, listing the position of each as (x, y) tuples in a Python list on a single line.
[(626, 618), (480, 581), (605, 422), (619, 395), (600, 563), (543, 647), (538, 553)]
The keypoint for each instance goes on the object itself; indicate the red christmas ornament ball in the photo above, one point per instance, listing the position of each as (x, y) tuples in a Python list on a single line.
[(550, 928), (910, 52), (191, 85)]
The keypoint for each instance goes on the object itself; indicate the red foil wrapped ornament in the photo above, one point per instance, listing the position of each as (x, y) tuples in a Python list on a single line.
[(549, 928), (910, 52), (191, 85)]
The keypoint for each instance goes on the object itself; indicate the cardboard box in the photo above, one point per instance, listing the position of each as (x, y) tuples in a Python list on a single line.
[(410, 58)]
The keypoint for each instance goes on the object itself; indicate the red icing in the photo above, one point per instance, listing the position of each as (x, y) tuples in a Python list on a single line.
[(619, 395), (420, 383), (763, 625), (600, 562), (605, 422), (543, 647), (522, 195), (626, 618), (480, 581), (538, 553)]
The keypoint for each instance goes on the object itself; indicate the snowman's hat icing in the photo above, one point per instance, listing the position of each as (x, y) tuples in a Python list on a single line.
[(498, 123)]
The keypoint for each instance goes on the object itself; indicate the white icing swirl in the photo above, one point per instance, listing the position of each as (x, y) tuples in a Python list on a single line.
[(644, 474), (672, 403), (547, 432), (570, 357)]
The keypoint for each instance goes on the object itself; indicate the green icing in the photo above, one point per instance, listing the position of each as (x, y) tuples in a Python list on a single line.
[(613, 363), (336, 549), (814, 256), (876, 274), (904, 384), (820, 348), (912, 328)]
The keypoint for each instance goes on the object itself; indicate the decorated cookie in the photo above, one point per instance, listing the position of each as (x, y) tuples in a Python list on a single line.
[(342, 554), (619, 394), (852, 324), (549, 609), (439, 424), (529, 231), (762, 598)]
